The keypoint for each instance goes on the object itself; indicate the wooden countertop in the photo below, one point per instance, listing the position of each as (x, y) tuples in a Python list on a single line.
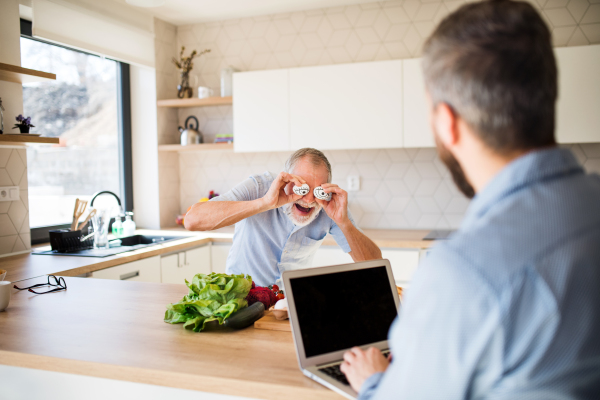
[(26, 266), (115, 330)]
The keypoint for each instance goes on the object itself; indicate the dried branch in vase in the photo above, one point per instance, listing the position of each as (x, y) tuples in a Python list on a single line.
[(185, 65)]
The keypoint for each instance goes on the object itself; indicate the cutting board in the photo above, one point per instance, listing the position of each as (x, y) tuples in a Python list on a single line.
[(269, 322)]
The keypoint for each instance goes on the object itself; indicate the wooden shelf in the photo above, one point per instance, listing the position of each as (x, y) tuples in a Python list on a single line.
[(16, 74), (195, 147), (6, 139), (195, 102)]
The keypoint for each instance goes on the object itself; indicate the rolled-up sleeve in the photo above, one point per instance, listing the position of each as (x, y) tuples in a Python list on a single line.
[(338, 235), (251, 188), (369, 386)]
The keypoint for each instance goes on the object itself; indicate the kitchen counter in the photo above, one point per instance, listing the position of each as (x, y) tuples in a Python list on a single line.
[(115, 330), (26, 266)]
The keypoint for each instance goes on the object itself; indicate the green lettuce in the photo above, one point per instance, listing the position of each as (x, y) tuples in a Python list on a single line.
[(212, 297)]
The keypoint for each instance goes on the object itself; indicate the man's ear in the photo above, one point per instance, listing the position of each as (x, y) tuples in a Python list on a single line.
[(445, 124)]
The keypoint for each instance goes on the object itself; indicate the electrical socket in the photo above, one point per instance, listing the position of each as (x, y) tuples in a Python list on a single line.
[(353, 183), (9, 193)]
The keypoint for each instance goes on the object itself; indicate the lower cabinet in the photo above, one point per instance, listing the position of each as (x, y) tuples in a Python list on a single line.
[(176, 268), (145, 270), (404, 262), (219, 253)]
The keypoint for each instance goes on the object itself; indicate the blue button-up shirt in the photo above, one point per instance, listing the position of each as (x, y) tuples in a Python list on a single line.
[(268, 243), (509, 307)]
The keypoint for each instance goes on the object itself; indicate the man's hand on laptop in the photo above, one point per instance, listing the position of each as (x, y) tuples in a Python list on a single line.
[(359, 365)]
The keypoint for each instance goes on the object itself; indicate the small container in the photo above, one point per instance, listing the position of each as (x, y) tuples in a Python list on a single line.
[(128, 225), (227, 81), (117, 227)]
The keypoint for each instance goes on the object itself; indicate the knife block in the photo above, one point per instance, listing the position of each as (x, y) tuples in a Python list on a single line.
[(65, 240)]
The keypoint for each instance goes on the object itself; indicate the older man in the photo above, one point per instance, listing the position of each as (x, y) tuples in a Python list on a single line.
[(278, 230), (509, 307)]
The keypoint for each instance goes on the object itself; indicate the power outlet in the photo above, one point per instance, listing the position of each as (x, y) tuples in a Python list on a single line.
[(353, 183), (9, 193)]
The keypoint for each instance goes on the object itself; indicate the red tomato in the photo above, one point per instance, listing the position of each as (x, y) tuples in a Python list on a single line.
[(280, 296), (275, 288)]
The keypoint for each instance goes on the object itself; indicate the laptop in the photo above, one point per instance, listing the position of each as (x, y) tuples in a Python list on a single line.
[(333, 309)]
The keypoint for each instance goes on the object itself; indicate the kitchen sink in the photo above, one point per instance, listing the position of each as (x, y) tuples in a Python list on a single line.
[(128, 243)]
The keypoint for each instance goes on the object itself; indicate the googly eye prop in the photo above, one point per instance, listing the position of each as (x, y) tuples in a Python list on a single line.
[(320, 194), (301, 190)]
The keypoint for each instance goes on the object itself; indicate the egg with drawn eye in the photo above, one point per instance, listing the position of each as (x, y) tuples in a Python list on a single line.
[(320, 193), (301, 190)]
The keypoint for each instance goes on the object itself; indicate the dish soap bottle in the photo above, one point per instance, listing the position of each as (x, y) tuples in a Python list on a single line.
[(117, 227), (128, 225)]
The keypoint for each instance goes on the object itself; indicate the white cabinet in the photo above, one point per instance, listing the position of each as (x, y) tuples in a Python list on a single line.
[(145, 270), (347, 106), (578, 106), (417, 129), (330, 255), (219, 253), (261, 111), (176, 268)]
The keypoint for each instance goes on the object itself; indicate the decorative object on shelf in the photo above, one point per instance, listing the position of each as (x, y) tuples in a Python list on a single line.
[(185, 65), (227, 81), (224, 138), (23, 124), (190, 135), (204, 92), (1, 117)]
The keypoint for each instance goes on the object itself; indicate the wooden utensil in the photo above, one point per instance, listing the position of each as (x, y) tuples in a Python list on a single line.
[(80, 206), (86, 220)]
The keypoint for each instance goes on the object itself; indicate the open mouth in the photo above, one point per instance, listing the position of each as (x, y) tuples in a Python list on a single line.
[(303, 210)]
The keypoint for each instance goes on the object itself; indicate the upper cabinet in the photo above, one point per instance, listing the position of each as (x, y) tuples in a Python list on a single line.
[(578, 106), (350, 106), (261, 111), (417, 131)]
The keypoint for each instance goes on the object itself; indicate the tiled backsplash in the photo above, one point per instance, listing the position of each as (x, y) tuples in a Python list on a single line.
[(401, 188), (14, 215)]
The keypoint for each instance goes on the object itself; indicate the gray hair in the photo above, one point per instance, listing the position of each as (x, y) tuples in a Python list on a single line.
[(316, 158), (492, 62)]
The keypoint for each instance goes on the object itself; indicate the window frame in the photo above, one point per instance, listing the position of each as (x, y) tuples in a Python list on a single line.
[(40, 234)]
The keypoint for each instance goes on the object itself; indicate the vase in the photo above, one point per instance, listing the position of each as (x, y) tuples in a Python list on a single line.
[(24, 129), (184, 91)]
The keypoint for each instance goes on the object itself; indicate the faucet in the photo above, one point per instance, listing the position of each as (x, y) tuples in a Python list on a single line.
[(106, 192)]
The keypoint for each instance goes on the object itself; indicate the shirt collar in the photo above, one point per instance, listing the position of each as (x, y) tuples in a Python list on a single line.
[(533, 167)]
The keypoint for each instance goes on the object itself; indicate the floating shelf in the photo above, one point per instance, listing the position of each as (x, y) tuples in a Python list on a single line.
[(22, 139), (195, 147), (195, 102), (16, 74)]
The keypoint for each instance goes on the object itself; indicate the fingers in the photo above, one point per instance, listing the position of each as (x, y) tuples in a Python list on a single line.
[(283, 178)]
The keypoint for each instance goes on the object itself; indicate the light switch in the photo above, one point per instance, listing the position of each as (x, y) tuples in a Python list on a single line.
[(9, 193)]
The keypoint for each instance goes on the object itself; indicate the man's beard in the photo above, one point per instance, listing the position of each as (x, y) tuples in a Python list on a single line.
[(458, 175), (302, 220)]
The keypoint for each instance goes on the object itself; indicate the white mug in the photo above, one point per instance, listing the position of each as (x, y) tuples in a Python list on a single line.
[(5, 289), (204, 92)]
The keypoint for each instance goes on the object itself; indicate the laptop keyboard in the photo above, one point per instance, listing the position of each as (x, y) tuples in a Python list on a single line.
[(335, 372)]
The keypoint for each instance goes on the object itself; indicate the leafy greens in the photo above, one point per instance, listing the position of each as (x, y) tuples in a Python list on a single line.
[(210, 297)]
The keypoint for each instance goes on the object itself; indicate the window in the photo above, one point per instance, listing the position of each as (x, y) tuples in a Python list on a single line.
[(87, 108)]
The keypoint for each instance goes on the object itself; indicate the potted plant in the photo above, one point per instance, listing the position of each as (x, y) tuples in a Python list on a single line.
[(23, 124)]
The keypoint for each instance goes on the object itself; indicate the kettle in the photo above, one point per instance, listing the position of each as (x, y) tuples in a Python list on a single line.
[(190, 135)]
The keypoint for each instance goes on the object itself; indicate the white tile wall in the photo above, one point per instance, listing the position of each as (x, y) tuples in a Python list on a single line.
[(14, 215), (402, 188)]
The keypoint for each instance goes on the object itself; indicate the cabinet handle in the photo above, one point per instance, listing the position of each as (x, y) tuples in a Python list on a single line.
[(129, 275)]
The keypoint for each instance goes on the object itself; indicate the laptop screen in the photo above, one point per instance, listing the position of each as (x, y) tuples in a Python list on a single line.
[(344, 309)]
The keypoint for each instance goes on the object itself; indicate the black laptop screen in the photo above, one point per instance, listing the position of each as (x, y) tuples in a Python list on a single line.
[(343, 309)]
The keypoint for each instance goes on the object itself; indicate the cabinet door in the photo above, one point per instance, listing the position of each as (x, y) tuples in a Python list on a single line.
[(404, 263), (219, 253), (145, 270), (417, 130), (261, 111), (577, 116), (349, 106), (176, 268)]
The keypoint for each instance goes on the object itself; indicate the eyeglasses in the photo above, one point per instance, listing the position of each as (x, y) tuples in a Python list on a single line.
[(59, 284)]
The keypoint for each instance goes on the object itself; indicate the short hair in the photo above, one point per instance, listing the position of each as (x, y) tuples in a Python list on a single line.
[(316, 157), (492, 63)]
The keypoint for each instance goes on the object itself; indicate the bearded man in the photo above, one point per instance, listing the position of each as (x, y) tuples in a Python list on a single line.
[(278, 230)]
